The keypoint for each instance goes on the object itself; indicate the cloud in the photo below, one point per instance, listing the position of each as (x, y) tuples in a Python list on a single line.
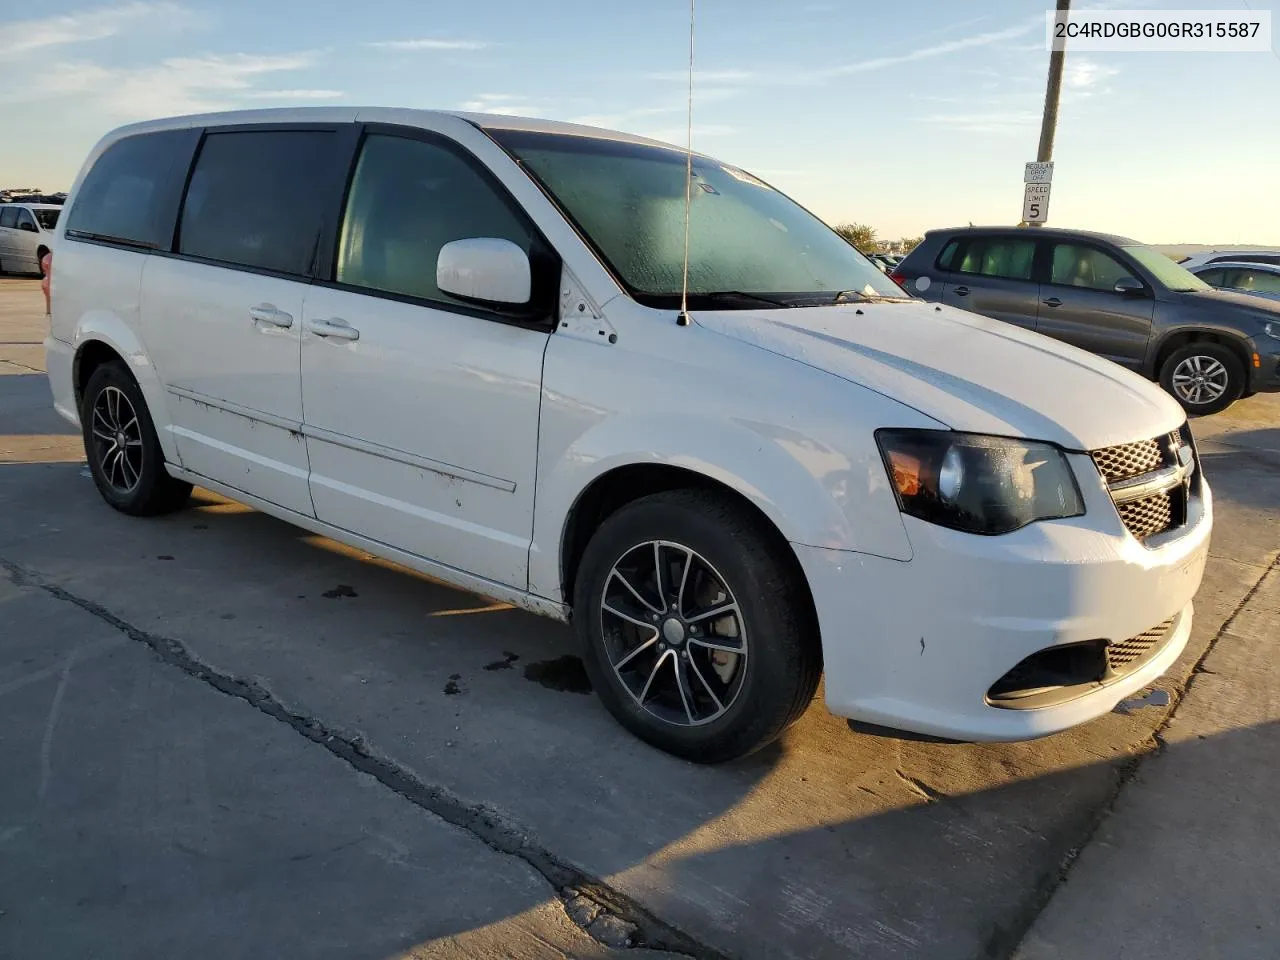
[(997, 121), (294, 95), (26, 36), (1081, 75), (508, 104), (177, 85), (430, 43), (936, 50)]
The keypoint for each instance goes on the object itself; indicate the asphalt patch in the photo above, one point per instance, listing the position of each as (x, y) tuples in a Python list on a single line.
[(341, 590), (508, 658)]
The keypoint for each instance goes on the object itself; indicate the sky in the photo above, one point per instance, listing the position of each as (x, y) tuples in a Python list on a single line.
[(905, 116)]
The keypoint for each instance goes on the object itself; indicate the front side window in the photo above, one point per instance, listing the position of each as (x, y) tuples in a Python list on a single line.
[(47, 218), (1009, 258), (1215, 277), (8, 216), (122, 197), (1077, 266), (1172, 275), (409, 198), (1253, 281), (628, 200), (255, 199)]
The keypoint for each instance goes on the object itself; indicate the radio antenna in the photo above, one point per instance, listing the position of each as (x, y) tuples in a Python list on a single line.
[(682, 319)]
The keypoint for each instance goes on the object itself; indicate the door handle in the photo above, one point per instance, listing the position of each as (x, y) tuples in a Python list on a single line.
[(961, 291), (1052, 302), (268, 315), (335, 329)]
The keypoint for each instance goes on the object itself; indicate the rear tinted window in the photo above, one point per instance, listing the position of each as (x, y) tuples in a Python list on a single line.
[(255, 199), (948, 254), (8, 216), (1007, 257), (128, 194)]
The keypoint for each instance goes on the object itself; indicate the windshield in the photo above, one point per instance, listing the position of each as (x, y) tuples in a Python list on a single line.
[(748, 243), (47, 218), (1174, 277)]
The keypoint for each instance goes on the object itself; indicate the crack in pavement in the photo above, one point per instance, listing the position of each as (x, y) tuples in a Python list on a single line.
[(920, 788), (608, 916), (1005, 941)]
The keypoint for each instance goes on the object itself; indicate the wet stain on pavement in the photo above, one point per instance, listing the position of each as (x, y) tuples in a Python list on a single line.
[(508, 658), (567, 673), (452, 687), (341, 590)]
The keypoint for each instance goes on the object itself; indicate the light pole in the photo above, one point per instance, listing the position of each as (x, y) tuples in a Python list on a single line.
[(1034, 215)]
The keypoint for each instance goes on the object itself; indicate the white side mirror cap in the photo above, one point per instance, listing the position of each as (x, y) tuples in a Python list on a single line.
[(485, 270)]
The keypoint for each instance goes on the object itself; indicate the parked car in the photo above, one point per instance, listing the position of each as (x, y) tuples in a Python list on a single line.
[(1234, 256), (1111, 296), (1259, 279), (456, 341), (25, 233)]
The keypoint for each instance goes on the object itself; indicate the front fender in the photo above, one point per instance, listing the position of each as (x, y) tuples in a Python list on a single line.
[(802, 449)]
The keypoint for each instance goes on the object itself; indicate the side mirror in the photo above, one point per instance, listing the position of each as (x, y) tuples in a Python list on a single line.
[(485, 270), (1130, 287)]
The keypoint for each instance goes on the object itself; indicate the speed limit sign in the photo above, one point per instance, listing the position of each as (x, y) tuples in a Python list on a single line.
[(1035, 203)]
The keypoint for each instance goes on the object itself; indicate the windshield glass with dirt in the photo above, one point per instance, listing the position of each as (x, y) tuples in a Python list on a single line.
[(749, 245)]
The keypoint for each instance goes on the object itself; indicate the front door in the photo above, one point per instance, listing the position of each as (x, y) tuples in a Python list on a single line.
[(1079, 305), (992, 275), (421, 411), (222, 317)]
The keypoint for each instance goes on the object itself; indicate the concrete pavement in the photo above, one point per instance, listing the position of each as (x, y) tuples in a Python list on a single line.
[(504, 787)]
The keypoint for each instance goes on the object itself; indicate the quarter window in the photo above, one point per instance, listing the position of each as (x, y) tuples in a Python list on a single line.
[(125, 196), (255, 199), (1077, 266), (407, 200), (1007, 257), (948, 254)]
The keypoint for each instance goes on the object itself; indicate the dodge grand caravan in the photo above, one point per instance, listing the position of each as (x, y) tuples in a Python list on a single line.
[(456, 341)]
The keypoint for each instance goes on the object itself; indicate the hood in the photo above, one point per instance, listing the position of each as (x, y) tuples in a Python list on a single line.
[(1259, 304), (964, 370)]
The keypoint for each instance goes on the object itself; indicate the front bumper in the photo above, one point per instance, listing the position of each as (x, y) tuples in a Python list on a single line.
[(916, 645), (1264, 371)]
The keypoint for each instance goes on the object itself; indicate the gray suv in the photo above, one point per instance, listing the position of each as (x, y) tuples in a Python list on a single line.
[(1111, 296)]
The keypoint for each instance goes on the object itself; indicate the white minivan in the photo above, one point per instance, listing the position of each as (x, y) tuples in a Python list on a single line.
[(456, 341)]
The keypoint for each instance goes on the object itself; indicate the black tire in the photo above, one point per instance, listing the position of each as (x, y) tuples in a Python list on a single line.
[(773, 624), (1207, 354), (132, 479)]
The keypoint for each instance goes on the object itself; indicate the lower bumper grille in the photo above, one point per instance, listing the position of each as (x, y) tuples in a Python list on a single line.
[(1064, 672), (1122, 653), (1146, 517)]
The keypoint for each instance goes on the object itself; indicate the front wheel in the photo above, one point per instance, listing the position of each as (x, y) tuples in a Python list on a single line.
[(1204, 377), (120, 443), (698, 633)]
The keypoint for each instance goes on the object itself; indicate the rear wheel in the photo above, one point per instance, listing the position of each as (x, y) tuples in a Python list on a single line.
[(123, 451), (698, 635), (1204, 377)]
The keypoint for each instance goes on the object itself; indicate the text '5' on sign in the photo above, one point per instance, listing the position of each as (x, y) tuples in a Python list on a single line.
[(1038, 172), (1035, 203)]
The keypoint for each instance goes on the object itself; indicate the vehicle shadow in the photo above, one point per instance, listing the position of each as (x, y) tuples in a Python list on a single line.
[(827, 844)]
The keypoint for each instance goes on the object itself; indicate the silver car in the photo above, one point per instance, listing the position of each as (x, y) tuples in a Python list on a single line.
[(1259, 279), (25, 233)]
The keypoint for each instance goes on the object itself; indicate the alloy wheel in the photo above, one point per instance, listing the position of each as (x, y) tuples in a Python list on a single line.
[(117, 439), (1200, 379), (674, 633)]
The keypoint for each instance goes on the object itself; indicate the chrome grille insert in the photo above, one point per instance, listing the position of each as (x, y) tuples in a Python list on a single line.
[(1149, 481)]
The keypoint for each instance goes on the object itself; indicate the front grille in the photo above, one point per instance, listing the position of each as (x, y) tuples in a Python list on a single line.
[(1121, 653), (1128, 460), (1146, 517), (1160, 510)]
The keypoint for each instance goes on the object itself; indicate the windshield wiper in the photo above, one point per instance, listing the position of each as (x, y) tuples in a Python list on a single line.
[(857, 296), (722, 296)]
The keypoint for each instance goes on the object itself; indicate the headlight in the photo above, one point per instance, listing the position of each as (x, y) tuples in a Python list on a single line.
[(976, 483)]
